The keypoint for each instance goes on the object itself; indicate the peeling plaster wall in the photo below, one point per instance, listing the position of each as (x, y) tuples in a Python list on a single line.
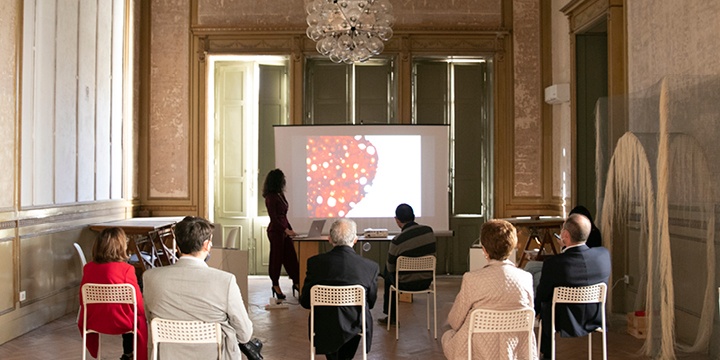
[(528, 99), (408, 13), (169, 129), (8, 97)]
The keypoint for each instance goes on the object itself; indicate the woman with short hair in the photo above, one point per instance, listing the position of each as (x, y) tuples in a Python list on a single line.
[(499, 285)]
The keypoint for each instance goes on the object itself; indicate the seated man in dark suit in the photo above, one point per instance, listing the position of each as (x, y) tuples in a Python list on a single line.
[(577, 265), (414, 240), (337, 328)]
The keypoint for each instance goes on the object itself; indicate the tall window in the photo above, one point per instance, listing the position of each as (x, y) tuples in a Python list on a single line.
[(72, 101), (363, 93), (458, 92)]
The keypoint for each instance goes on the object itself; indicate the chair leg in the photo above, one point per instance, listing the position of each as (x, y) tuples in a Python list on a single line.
[(427, 310), (435, 314), (397, 315), (539, 336), (589, 346), (389, 309), (84, 348)]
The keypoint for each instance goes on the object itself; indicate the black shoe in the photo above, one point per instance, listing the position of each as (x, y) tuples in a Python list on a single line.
[(126, 357), (384, 321), (278, 294)]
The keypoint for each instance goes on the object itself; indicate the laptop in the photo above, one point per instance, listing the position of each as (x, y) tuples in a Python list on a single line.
[(315, 229)]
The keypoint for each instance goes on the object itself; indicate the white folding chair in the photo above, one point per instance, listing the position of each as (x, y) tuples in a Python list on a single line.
[(324, 295), (407, 264), (578, 295), (83, 261), (81, 254), (184, 332), (496, 321), (108, 294)]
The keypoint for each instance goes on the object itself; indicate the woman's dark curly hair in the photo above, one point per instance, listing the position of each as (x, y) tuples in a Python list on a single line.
[(274, 183)]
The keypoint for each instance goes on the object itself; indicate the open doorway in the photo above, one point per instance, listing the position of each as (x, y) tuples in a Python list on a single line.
[(247, 95)]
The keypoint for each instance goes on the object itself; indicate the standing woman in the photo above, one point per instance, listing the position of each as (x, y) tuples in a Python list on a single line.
[(280, 232), (109, 266)]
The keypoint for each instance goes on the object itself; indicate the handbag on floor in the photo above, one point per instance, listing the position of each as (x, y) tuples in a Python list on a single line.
[(252, 348)]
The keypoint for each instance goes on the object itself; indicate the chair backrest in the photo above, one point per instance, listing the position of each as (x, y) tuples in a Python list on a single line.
[(108, 293), (185, 332), (230, 241), (326, 295), (422, 263), (497, 321), (81, 253), (581, 295), (350, 295)]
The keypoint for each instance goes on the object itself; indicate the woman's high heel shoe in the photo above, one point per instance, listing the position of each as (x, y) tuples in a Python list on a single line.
[(295, 288), (278, 294)]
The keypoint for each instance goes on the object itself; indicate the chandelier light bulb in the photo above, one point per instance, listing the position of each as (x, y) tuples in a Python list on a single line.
[(349, 31)]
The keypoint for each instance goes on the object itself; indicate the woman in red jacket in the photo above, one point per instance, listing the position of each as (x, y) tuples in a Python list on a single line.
[(280, 233), (109, 267)]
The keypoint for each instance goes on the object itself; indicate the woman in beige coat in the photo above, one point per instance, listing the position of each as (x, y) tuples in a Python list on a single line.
[(497, 286)]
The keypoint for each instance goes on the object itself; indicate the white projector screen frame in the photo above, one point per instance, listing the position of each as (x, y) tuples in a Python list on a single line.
[(380, 167)]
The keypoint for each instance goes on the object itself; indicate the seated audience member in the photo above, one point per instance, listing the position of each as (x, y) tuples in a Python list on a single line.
[(337, 328), (190, 290), (594, 240), (414, 240), (499, 285), (109, 266), (577, 265)]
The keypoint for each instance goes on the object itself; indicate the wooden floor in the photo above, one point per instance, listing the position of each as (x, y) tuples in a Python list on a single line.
[(284, 332)]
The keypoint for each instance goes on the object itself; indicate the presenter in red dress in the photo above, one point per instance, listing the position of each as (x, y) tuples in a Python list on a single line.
[(109, 267), (280, 233)]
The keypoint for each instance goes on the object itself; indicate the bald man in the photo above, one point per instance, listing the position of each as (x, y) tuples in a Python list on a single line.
[(577, 265)]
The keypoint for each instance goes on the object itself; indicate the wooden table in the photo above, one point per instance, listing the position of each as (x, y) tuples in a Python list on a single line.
[(152, 234), (308, 247), (541, 229)]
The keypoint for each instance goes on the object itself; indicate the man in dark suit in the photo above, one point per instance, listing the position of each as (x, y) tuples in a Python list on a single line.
[(337, 328), (577, 265)]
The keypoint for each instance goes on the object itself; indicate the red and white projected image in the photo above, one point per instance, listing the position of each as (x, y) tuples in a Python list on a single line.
[(340, 172)]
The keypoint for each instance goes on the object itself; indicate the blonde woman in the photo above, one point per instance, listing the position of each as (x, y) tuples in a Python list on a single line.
[(499, 285)]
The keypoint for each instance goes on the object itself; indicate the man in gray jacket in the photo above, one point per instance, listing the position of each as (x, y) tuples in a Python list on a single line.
[(190, 290)]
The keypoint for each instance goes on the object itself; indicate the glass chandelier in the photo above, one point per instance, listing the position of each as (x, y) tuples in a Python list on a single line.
[(349, 30)]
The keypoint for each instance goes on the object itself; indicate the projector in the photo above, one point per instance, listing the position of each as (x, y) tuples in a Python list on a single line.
[(376, 233)]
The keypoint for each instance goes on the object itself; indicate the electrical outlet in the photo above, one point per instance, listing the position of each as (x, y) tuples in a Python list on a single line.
[(626, 279), (23, 296)]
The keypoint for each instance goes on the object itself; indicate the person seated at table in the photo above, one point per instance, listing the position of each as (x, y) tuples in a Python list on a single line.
[(577, 265), (499, 285), (337, 328), (414, 240), (109, 266)]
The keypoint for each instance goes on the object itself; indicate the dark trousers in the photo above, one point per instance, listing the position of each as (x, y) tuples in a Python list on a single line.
[(412, 286), (347, 351), (127, 340), (282, 252)]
